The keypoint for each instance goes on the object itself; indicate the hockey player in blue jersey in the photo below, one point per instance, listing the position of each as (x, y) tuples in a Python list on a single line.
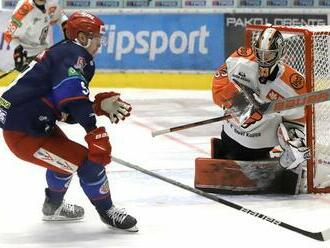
[(55, 87)]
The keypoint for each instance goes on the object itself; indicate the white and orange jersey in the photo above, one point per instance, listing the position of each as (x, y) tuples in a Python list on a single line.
[(29, 25), (242, 67)]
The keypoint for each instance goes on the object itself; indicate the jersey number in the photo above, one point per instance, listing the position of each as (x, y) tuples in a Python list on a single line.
[(85, 90)]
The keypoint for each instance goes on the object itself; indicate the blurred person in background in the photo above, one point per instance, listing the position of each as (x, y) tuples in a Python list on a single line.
[(28, 28)]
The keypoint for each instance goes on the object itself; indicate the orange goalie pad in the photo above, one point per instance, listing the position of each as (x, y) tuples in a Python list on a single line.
[(237, 177)]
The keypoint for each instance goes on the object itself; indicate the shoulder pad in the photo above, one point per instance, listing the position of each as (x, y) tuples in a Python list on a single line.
[(242, 52), (294, 79)]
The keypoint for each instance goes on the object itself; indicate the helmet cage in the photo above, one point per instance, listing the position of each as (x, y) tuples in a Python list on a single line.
[(268, 58), (269, 48)]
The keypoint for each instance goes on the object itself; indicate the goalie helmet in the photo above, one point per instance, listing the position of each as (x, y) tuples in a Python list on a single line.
[(269, 48), (81, 21)]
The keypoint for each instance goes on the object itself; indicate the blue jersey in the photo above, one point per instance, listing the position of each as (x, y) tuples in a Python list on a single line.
[(57, 82)]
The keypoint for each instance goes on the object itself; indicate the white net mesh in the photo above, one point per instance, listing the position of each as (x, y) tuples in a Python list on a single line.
[(319, 65), (321, 76)]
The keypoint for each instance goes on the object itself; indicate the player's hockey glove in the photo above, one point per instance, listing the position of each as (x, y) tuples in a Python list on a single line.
[(109, 104), (295, 151), (99, 148), (20, 58)]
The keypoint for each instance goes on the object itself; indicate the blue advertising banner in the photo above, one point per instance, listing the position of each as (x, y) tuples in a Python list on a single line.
[(161, 42)]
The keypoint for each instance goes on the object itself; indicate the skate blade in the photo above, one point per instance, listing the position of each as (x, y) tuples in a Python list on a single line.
[(60, 219), (131, 230)]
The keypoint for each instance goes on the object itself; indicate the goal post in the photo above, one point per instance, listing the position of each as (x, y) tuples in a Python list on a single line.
[(308, 51)]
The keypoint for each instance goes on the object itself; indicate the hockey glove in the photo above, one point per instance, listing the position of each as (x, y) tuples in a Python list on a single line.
[(99, 148), (109, 104), (20, 58), (295, 151), (244, 106)]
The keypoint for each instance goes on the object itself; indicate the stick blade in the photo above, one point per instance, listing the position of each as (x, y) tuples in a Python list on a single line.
[(326, 234), (160, 132)]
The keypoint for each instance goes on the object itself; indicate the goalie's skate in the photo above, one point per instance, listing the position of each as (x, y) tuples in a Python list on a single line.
[(62, 212), (118, 219)]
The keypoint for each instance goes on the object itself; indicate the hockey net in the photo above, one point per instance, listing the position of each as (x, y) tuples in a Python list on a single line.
[(308, 51)]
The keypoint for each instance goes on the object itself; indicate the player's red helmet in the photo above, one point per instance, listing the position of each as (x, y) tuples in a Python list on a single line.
[(81, 21)]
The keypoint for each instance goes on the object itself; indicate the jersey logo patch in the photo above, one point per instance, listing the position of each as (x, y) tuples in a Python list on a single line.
[(4, 103), (16, 19), (240, 76), (273, 95), (19, 15), (55, 160), (73, 72), (244, 52), (3, 115), (80, 64), (297, 81), (104, 189)]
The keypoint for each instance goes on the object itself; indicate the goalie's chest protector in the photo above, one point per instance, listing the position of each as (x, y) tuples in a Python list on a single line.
[(243, 68)]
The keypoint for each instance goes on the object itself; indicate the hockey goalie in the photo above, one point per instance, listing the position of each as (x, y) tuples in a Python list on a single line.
[(241, 161)]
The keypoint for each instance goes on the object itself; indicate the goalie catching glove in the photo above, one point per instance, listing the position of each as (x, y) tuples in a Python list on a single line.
[(292, 140), (109, 104), (244, 105)]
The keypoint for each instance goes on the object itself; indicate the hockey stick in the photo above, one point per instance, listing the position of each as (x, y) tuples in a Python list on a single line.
[(6, 73), (266, 108), (321, 236), (190, 125)]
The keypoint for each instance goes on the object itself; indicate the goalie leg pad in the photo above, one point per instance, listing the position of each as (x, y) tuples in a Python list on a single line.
[(292, 140), (237, 177)]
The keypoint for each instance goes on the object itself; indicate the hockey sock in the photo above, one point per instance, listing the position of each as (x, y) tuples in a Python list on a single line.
[(94, 182), (58, 184)]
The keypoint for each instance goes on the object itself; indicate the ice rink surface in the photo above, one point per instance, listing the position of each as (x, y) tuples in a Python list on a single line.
[(167, 215)]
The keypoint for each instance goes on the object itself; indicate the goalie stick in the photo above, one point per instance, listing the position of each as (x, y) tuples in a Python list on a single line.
[(266, 108), (321, 236)]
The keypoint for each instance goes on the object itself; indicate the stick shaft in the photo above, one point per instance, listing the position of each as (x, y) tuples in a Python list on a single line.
[(321, 236), (266, 108), (190, 125), (296, 101)]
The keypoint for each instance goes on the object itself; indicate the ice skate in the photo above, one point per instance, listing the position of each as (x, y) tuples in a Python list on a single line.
[(61, 212), (118, 219)]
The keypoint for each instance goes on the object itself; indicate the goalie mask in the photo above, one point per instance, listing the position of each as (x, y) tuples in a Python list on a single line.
[(269, 48)]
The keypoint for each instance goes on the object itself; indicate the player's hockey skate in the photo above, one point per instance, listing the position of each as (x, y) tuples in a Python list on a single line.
[(61, 212), (118, 219)]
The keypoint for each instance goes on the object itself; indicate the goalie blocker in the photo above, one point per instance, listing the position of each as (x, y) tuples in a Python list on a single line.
[(225, 176)]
